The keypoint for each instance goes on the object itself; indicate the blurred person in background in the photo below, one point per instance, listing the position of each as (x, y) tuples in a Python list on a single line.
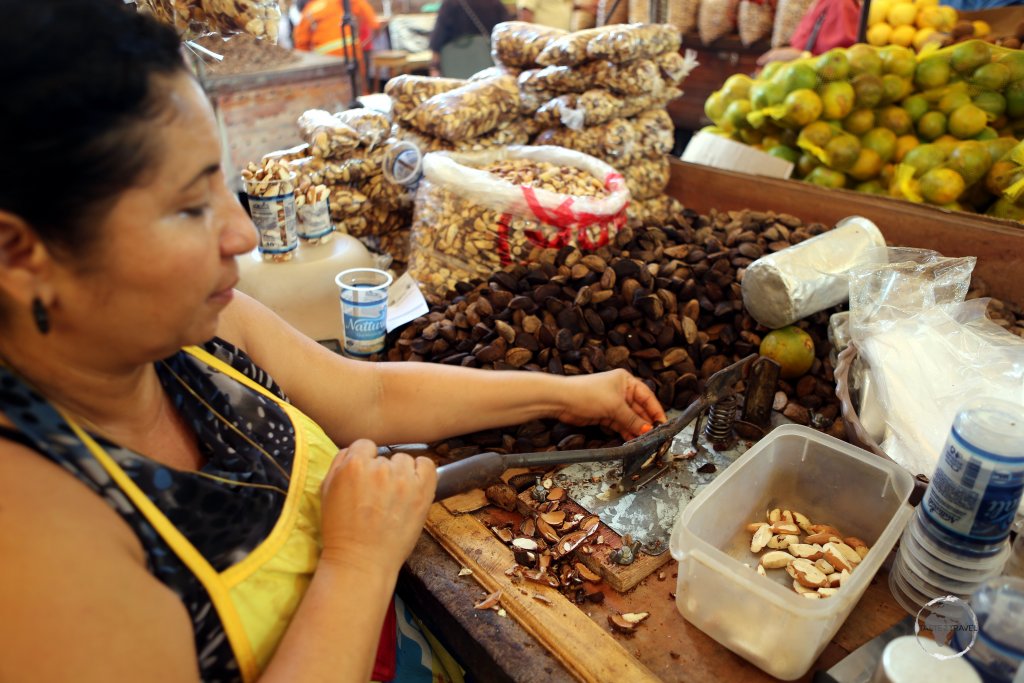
[(554, 13), (460, 41), (319, 30)]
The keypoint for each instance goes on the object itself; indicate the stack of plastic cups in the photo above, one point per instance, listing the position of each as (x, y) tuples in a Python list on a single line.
[(998, 651), (959, 537)]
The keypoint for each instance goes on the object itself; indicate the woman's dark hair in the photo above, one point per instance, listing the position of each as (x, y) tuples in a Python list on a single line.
[(79, 82)]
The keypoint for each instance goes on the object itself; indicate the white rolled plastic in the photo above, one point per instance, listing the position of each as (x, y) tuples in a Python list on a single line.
[(801, 280)]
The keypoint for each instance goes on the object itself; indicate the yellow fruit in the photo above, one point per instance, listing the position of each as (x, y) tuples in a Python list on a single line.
[(867, 166), (981, 28), (879, 10), (949, 16), (879, 34), (904, 144), (902, 36), (921, 38), (926, 3), (929, 17), (902, 14), (941, 186), (791, 348), (967, 121)]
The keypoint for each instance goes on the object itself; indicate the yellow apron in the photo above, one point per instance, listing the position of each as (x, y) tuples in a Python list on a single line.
[(256, 597)]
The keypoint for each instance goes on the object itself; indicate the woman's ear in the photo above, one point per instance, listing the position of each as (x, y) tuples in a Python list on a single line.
[(24, 259)]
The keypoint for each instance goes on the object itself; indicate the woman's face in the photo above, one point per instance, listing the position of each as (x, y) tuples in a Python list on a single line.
[(164, 265)]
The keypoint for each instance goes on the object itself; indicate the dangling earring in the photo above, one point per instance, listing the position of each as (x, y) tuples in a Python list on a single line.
[(40, 315)]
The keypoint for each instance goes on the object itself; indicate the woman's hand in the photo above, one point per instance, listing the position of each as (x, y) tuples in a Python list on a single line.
[(374, 507), (615, 399)]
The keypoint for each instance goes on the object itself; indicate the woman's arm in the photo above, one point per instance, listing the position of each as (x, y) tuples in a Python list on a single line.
[(413, 402), (80, 605)]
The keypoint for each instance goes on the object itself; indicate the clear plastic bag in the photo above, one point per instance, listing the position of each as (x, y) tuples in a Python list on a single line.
[(655, 131), (683, 15), (518, 43), (553, 80), (634, 41), (570, 49), (372, 126), (615, 140), (646, 176), (468, 111), (259, 18), (716, 19), (635, 78), (927, 351), (327, 136), (408, 92), (755, 20), (788, 14), (494, 72), (470, 222)]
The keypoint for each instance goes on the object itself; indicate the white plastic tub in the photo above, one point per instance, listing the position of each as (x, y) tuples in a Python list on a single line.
[(763, 619)]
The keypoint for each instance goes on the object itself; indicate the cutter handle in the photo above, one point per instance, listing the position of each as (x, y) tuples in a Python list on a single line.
[(474, 472)]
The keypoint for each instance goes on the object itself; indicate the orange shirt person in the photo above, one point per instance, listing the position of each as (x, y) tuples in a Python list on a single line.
[(319, 29)]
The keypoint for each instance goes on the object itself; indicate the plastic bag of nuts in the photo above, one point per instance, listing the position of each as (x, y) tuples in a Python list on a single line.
[(518, 43), (655, 131), (553, 79), (570, 49), (675, 67), (591, 108), (479, 211), (372, 126), (408, 92), (634, 41), (683, 15), (614, 140), (327, 136), (468, 111), (716, 19), (635, 78), (755, 20), (647, 176), (258, 18), (788, 14)]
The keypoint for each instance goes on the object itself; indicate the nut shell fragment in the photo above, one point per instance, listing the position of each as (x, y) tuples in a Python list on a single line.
[(490, 601)]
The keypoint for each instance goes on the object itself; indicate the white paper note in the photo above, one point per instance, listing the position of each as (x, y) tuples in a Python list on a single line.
[(405, 302)]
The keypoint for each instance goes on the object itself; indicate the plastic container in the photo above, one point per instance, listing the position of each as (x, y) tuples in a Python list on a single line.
[(998, 652), (905, 661), (762, 619)]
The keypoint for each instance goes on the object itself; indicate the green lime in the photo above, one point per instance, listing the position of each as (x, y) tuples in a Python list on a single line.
[(932, 72), (895, 88), (869, 90), (833, 65), (1014, 61), (871, 187), (882, 141), (737, 87), (801, 107), (895, 119), (714, 107), (924, 158), (860, 121), (966, 121), (791, 348), (783, 152), (864, 59), (837, 99), (992, 103), (1014, 95), (797, 76), (842, 151), (967, 56), (931, 126), (867, 166), (805, 164), (971, 160), (952, 100), (941, 186), (898, 60), (766, 94), (916, 106), (992, 76)]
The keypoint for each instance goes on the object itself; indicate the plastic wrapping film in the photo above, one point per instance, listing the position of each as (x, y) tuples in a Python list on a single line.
[(716, 19), (408, 92), (470, 222), (371, 126), (926, 350), (468, 111), (518, 43), (259, 18), (783, 287), (352, 169), (634, 41)]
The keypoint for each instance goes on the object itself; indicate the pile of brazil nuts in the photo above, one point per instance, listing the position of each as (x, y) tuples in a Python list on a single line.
[(664, 303)]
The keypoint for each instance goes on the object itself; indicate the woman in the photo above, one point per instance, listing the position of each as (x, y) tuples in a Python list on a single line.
[(460, 42), (165, 515)]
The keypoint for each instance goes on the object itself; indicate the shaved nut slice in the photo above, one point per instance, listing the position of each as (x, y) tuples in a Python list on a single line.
[(808, 574), (813, 595), (782, 541), (556, 493), (570, 542), (800, 588), (849, 553), (554, 518), (525, 544), (824, 567), (787, 517), (620, 624), (827, 592), (586, 574), (504, 533), (821, 538), (844, 576), (760, 570), (777, 559), (806, 551), (588, 523), (490, 601), (755, 526), (546, 531), (774, 516), (835, 557), (541, 598), (762, 535), (635, 617), (785, 528), (528, 527), (802, 521), (465, 571), (834, 580)]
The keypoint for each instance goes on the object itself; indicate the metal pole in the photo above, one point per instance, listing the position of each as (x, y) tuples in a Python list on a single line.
[(862, 27), (349, 36)]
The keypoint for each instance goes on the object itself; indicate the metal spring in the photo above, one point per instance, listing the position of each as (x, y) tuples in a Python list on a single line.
[(721, 417)]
